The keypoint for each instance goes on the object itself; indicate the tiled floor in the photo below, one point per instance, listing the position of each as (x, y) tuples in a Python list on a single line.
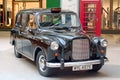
[(12, 68)]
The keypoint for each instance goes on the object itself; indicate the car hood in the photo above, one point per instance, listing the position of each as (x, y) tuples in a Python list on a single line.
[(60, 36)]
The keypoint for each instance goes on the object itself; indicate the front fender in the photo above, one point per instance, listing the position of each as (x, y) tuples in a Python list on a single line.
[(99, 50), (12, 37)]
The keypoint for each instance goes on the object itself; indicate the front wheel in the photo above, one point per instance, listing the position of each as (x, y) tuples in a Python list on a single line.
[(41, 65)]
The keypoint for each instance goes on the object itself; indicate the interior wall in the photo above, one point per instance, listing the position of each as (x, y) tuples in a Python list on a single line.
[(43, 3), (34, 5), (1, 1), (9, 3)]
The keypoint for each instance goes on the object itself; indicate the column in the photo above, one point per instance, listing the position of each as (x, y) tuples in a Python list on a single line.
[(111, 14)]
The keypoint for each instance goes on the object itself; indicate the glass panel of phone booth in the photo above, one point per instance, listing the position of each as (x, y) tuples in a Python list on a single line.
[(90, 17)]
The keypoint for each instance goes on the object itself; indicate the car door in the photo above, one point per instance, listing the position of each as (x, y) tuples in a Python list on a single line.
[(28, 36), (17, 30)]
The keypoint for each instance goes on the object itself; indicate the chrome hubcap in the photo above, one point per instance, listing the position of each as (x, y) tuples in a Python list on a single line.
[(42, 63)]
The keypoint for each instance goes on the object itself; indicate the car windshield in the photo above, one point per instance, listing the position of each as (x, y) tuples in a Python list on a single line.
[(58, 20)]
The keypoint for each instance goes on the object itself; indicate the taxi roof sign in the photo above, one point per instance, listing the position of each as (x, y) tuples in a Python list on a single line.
[(55, 10)]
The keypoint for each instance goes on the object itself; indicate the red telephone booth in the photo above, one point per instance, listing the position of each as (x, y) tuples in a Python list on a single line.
[(90, 16)]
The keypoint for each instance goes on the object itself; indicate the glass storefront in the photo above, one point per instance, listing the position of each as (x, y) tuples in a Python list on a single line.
[(26, 4), (115, 15), (8, 14), (9, 9)]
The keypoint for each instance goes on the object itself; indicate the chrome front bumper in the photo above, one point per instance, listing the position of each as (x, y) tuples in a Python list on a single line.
[(70, 64)]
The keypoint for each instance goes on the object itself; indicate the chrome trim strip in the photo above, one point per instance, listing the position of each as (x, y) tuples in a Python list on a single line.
[(25, 55), (70, 64)]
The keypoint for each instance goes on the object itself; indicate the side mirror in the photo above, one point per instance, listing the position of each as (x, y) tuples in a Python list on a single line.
[(30, 31), (33, 31)]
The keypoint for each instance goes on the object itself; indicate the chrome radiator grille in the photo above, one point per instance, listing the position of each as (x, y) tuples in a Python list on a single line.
[(80, 49)]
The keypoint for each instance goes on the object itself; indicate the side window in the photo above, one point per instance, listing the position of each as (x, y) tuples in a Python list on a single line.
[(45, 20), (24, 19), (31, 22), (18, 19)]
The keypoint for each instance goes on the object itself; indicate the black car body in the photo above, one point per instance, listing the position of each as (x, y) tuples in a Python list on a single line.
[(55, 39)]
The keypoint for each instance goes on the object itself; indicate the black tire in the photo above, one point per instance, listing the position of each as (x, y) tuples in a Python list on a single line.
[(18, 55), (41, 65), (96, 68)]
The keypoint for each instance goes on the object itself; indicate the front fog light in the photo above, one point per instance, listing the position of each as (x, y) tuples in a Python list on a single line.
[(54, 45), (103, 43)]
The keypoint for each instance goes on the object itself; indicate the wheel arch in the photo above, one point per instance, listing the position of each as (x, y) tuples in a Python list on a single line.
[(12, 38), (36, 52)]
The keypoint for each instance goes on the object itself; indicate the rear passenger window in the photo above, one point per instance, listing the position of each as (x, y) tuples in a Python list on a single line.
[(31, 22), (18, 20), (24, 19)]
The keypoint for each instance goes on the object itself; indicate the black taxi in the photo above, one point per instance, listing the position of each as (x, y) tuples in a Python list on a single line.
[(53, 38)]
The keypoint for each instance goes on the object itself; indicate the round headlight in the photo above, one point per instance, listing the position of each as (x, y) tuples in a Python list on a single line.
[(54, 45), (103, 43)]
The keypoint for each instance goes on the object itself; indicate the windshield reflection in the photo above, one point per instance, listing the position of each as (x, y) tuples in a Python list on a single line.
[(58, 21)]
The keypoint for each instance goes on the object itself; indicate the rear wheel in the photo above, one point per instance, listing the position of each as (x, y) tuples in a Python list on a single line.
[(41, 65), (18, 55)]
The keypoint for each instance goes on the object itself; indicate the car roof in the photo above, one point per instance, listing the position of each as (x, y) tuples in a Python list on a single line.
[(40, 10)]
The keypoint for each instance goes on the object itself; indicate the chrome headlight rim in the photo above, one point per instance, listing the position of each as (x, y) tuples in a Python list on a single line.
[(54, 45), (103, 43)]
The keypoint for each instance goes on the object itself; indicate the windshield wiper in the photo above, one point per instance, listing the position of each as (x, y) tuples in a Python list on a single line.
[(72, 28), (61, 28)]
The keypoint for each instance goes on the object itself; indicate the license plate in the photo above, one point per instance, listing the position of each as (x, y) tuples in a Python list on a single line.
[(82, 67)]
